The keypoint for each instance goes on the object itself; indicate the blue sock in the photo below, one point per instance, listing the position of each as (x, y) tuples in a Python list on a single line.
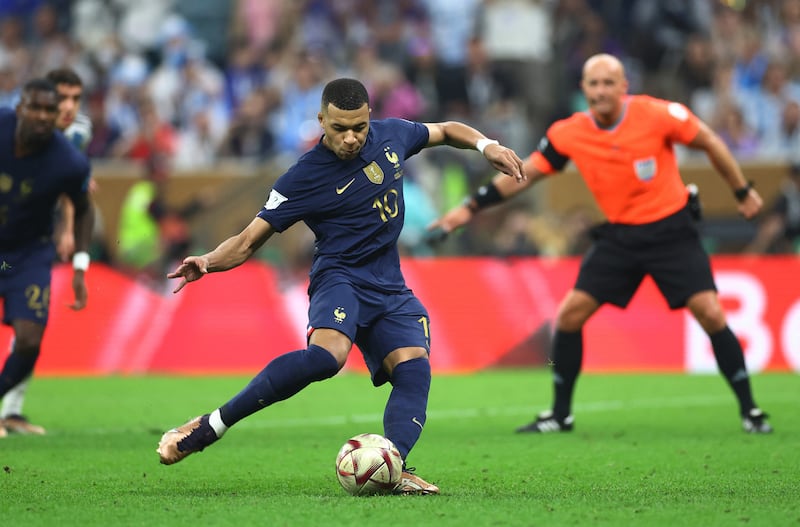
[(405, 414), (18, 366), (283, 377)]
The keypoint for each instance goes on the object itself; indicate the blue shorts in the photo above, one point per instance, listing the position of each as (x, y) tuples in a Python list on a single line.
[(25, 282), (377, 322)]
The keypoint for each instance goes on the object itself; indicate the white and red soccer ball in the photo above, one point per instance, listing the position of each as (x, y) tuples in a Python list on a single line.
[(369, 464)]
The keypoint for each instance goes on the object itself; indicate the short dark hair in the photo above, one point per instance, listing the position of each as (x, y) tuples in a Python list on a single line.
[(39, 84), (66, 76), (345, 94)]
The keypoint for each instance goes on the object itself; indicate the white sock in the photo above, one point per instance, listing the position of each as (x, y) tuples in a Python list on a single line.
[(14, 399), (215, 420)]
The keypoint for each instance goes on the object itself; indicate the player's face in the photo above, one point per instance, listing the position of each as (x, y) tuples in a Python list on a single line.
[(69, 104), (36, 116), (345, 130), (604, 86)]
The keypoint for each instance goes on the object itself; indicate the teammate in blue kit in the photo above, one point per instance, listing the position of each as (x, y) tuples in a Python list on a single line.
[(77, 128), (349, 190), (37, 165)]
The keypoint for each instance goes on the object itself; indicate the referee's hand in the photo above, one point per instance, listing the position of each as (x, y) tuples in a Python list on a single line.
[(452, 220), (751, 205)]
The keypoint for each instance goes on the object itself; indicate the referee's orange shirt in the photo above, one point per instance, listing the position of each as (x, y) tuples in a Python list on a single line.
[(631, 168)]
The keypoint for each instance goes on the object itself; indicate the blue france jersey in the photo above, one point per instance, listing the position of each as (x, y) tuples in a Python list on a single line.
[(30, 185), (354, 207)]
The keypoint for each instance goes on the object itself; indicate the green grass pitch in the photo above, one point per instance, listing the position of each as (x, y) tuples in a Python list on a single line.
[(646, 450)]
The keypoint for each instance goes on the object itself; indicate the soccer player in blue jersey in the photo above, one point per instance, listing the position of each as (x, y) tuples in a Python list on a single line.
[(77, 128), (37, 165), (348, 189)]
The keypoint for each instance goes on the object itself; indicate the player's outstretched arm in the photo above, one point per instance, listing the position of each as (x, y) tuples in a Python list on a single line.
[(499, 189), (460, 135), (84, 224), (65, 233), (229, 254)]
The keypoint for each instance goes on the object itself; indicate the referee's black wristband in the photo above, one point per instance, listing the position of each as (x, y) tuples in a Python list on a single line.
[(741, 193), (485, 196)]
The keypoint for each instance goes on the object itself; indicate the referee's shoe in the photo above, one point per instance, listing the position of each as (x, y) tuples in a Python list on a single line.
[(546, 422), (755, 422)]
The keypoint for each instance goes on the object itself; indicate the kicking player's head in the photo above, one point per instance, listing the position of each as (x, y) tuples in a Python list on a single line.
[(344, 117), (70, 90), (37, 110), (604, 85)]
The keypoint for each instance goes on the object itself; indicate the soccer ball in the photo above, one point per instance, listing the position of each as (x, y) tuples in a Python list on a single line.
[(368, 464)]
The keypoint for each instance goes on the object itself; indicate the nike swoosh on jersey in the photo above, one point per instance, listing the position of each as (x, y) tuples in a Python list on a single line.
[(342, 189)]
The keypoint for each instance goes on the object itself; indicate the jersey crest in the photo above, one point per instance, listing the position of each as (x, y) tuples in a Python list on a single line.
[(25, 187), (374, 172), (645, 168), (339, 315), (392, 157), (6, 183), (678, 111)]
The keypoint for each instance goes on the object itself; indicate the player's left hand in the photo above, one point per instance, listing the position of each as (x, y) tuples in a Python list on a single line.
[(79, 288), (751, 205), (505, 160)]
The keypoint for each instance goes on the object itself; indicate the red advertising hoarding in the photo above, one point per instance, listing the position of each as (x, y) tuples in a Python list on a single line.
[(485, 312)]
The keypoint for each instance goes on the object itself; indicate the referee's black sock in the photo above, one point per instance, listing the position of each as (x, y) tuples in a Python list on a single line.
[(730, 359), (567, 358)]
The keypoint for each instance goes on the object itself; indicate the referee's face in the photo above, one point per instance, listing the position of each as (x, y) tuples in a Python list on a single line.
[(604, 86), (345, 130)]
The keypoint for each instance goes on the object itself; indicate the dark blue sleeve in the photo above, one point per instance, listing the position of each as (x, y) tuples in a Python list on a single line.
[(78, 190), (289, 201), (412, 134)]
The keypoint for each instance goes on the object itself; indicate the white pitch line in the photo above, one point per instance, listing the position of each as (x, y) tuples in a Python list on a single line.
[(504, 411), (471, 413)]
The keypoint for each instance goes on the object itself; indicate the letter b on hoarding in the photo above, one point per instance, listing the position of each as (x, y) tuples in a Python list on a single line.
[(746, 321)]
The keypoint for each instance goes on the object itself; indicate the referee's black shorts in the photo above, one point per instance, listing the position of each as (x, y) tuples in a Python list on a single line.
[(669, 250)]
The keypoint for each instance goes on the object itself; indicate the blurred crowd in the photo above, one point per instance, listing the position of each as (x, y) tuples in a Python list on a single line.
[(194, 82)]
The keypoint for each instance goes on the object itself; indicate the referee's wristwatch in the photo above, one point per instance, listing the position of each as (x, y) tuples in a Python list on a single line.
[(742, 193)]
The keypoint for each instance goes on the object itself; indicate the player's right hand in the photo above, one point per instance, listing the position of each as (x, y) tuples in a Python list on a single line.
[(453, 219), (507, 161), (193, 268), (79, 288)]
